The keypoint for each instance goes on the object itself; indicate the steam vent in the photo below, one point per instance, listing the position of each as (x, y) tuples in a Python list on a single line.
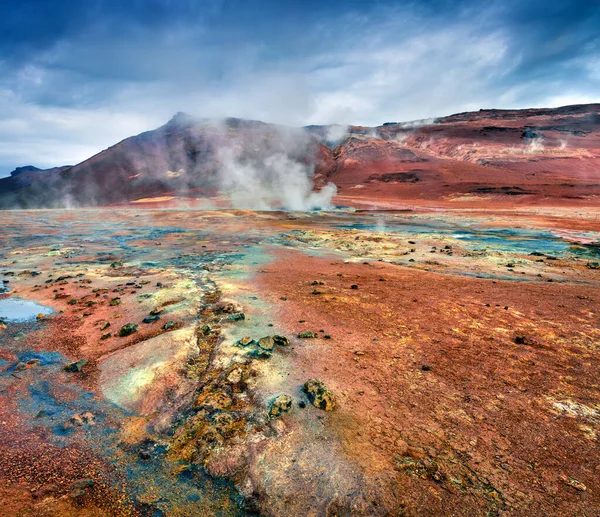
[(304, 311)]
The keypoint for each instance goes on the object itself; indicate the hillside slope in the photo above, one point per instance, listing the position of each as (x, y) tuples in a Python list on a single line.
[(549, 156)]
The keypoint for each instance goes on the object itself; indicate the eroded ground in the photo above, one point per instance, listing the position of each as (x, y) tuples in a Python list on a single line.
[(458, 355)]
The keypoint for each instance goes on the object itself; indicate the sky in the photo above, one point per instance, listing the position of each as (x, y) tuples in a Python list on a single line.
[(79, 76)]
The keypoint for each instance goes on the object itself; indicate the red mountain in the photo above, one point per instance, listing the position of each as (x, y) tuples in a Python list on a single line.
[(549, 156)]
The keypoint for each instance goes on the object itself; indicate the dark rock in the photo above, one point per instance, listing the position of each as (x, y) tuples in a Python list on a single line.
[(245, 341), (260, 353), (307, 335), (425, 367), (150, 319), (235, 317), (319, 394), (354, 286), (281, 340), (106, 336), (105, 325), (128, 329), (169, 325), (76, 366), (281, 404), (114, 302), (266, 343), (116, 264), (527, 341)]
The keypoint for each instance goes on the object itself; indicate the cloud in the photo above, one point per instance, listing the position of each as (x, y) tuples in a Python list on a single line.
[(84, 77)]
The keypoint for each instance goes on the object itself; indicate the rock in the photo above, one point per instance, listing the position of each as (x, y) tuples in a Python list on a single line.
[(572, 482), (593, 265), (114, 302), (82, 419), (169, 325), (527, 341), (150, 319), (106, 336), (307, 335), (116, 264), (260, 353), (266, 343), (128, 329), (239, 316), (105, 325), (205, 329), (156, 311), (425, 367), (281, 404), (354, 286), (281, 340), (245, 341), (60, 296), (319, 394), (76, 366)]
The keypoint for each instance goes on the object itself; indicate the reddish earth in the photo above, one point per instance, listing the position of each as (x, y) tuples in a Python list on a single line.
[(453, 314), (536, 157), (463, 364)]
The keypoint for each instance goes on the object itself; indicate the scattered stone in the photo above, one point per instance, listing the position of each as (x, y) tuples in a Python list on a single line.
[(572, 482), (319, 394), (302, 404), (150, 319), (116, 264), (205, 329), (76, 366), (527, 341), (281, 404), (245, 341), (106, 336), (114, 302), (82, 419), (60, 296), (260, 353), (354, 286), (235, 317), (105, 325), (425, 367), (72, 302), (307, 335), (156, 311), (128, 329), (326, 336), (593, 265), (281, 340), (266, 343)]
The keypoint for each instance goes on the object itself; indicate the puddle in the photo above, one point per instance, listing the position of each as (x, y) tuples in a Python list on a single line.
[(15, 309)]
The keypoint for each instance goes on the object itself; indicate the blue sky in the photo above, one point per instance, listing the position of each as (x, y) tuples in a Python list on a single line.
[(78, 76)]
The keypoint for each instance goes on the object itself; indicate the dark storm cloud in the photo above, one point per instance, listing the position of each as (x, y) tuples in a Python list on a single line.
[(76, 77)]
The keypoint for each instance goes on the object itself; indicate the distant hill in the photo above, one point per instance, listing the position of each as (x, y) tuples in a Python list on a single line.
[(532, 155)]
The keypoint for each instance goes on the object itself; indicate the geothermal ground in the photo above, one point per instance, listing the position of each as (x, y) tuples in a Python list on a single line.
[(452, 358)]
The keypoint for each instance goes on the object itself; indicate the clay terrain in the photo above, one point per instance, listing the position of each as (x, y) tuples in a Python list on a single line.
[(548, 157), (424, 344)]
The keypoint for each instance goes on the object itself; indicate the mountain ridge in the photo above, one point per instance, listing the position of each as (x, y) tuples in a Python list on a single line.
[(443, 159)]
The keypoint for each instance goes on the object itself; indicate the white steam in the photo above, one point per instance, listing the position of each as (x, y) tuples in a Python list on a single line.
[(273, 182)]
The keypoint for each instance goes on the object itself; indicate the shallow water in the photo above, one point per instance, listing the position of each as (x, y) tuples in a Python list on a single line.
[(15, 309)]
